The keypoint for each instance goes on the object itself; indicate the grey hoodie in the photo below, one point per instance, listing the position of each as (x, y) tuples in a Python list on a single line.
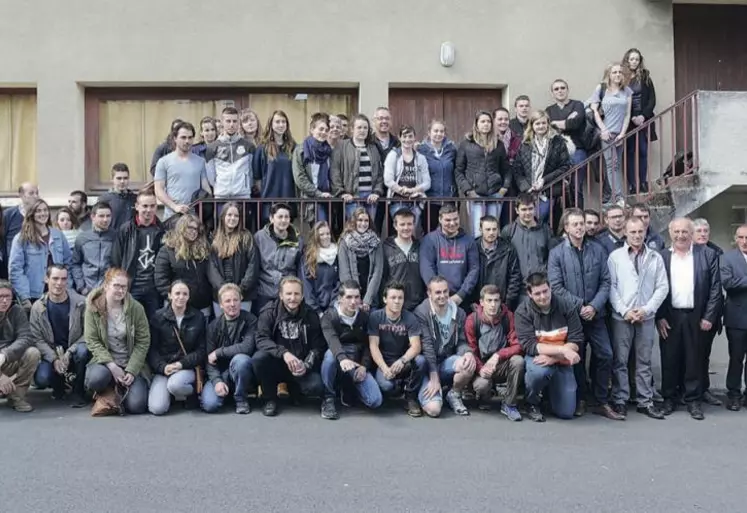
[(92, 256)]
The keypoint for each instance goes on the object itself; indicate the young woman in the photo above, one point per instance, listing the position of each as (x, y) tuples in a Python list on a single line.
[(406, 175), (250, 129), (311, 169), (319, 269), (440, 154), (543, 156), (361, 257), (611, 103), (511, 141), (482, 169), (35, 247), (233, 258), (208, 134), (177, 346), (185, 256), (67, 223), (273, 170), (335, 134), (642, 109)]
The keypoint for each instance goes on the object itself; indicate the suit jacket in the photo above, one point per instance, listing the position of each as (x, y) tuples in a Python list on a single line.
[(734, 281)]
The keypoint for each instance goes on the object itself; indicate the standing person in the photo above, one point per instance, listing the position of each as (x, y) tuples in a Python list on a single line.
[(251, 128), (686, 316), (361, 257), (734, 281), (499, 265), (482, 170), (36, 247), (91, 255), (568, 117), (638, 287), (522, 109), (591, 222), (402, 260), (530, 238), (612, 236), (229, 160), (120, 198), (166, 147), (273, 167), (311, 170), (642, 110), (3, 250), (440, 155), (208, 135), (67, 223), (28, 193), (653, 239), (335, 134), (78, 203), (319, 269), (406, 174), (384, 139), (511, 141), (344, 125)]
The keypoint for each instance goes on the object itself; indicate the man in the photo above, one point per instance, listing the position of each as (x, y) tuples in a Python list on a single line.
[(394, 341), (686, 317), (591, 222), (499, 264), (229, 160), (499, 358), (638, 287), (449, 252), (450, 361), (385, 140), (550, 333), (93, 250), (344, 129), (522, 108), (18, 356), (180, 174), (135, 248), (653, 239), (734, 281), (569, 118), (78, 203), (345, 328), (120, 197), (530, 239), (613, 236), (290, 345), (56, 326), (578, 273), (402, 259), (28, 193)]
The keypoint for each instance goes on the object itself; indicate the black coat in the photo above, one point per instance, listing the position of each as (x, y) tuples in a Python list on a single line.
[(338, 334), (500, 268), (164, 346), (404, 269), (125, 245), (734, 280), (310, 342), (226, 347), (245, 265), (557, 163), (476, 171), (193, 273)]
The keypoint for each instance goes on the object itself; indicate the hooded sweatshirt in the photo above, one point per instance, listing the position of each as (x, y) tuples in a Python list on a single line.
[(300, 333), (92, 257), (488, 336), (404, 268), (229, 166), (532, 245), (123, 206), (441, 167), (454, 258)]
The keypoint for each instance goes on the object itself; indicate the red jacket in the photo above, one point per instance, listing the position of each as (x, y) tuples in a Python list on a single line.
[(472, 331)]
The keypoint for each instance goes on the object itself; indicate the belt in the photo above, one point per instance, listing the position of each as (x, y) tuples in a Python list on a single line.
[(684, 310)]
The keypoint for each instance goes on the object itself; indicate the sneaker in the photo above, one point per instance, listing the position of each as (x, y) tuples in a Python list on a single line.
[(283, 390), (413, 408), (242, 407), (455, 403), (535, 414), (511, 412), (695, 411), (329, 410), (580, 410), (20, 404), (270, 409), (77, 400)]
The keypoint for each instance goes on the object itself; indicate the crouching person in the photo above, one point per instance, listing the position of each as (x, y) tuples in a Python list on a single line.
[(231, 342), (492, 338), (290, 343), (56, 325), (118, 337), (18, 357), (345, 328), (177, 346)]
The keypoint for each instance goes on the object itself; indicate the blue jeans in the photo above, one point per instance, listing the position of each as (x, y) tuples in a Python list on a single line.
[(150, 299), (368, 391), (478, 209), (46, 377), (371, 209), (445, 375), (641, 159), (180, 384), (238, 377), (544, 207), (560, 382), (596, 334), (409, 379), (579, 179), (613, 153)]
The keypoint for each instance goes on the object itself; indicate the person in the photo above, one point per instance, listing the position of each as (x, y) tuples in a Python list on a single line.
[(653, 239), (166, 147), (394, 341), (91, 255), (482, 169), (550, 333), (568, 117), (230, 346), (34, 248), (384, 139), (311, 169), (251, 128), (440, 155), (185, 256), (18, 356), (402, 260), (13, 217), (273, 167), (344, 125), (511, 141), (346, 362), (233, 258), (491, 336), (135, 249), (118, 336), (734, 281), (612, 236), (177, 348), (522, 109), (67, 223), (406, 175), (3, 250), (361, 256), (578, 274), (319, 269), (208, 135), (638, 287), (642, 109), (56, 323), (290, 346), (686, 316), (180, 174), (78, 203), (120, 198), (447, 251), (499, 265), (229, 160), (335, 135), (591, 222), (529, 237), (450, 361)]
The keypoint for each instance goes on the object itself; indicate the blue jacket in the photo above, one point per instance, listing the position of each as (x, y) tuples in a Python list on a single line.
[(454, 258), (319, 293), (28, 263), (441, 169), (276, 175), (577, 285)]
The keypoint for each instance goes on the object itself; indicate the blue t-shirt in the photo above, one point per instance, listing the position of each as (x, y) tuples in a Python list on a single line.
[(614, 106), (182, 177), (394, 335), (59, 318)]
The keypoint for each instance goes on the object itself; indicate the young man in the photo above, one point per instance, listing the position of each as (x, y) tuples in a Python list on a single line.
[(499, 264), (402, 260), (394, 338), (18, 356), (653, 239), (734, 281), (449, 252), (550, 332), (229, 160), (530, 239), (591, 222), (180, 174), (344, 128), (612, 237), (290, 345), (346, 362), (13, 216), (78, 203), (93, 250), (522, 108), (450, 361), (498, 354), (56, 326), (120, 197)]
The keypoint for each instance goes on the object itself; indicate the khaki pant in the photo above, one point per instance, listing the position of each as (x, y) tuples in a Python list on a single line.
[(511, 371), (22, 371)]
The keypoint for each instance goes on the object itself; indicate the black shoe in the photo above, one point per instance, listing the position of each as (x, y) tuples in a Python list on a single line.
[(242, 407), (580, 410), (651, 411), (711, 399), (270, 409), (733, 403), (695, 411), (621, 409), (607, 411), (329, 410), (77, 400), (58, 394), (535, 414), (668, 407), (413, 408)]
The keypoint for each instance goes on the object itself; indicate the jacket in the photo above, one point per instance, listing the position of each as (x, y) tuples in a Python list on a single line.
[(194, 273), (393, 144), (3, 258), (302, 176), (557, 162), (404, 268), (487, 336), (654, 240), (28, 263), (532, 245), (12, 222), (454, 258), (245, 266), (41, 329), (482, 173), (338, 334), (309, 343), (609, 241), (441, 168), (648, 100), (277, 258), (161, 150), (394, 165), (434, 348), (345, 169), (320, 292), (123, 207), (734, 281), (536, 327), (348, 263), (501, 268), (164, 346), (580, 279), (575, 126), (229, 166), (225, 347), (91, 258), (629, 289), (15, 335), (125, 245)]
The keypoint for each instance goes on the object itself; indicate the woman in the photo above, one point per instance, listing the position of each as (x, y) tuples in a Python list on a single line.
[(319, 269), (35, 247), (273, 170), (67, 222), (208, 134), (440, 154), (177, 347), (611, 103), (482, 169), (185, 256), (361, 257), (250, 129), (335, 131), (642, 109), (511, 141), (117, 335), (165, 147), (311, 169), (233, 258), (406, 175)]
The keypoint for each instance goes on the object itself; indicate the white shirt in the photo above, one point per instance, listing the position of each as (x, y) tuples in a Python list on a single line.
[(682, 280)]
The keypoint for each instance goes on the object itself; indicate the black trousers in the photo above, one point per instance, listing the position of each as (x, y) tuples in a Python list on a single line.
[(707, 347), (270, 371), (737, 352), (682, 354)]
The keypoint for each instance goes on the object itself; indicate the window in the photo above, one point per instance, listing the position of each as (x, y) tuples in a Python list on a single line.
[(738, 216), (17, 139)]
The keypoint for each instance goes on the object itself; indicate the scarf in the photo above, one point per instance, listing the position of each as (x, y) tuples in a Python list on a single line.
[(539, 154), (318, 152), (361, 244), (327, 255), (505, 139)]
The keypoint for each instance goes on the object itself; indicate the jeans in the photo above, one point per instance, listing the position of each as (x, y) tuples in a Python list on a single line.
[(46, 377), (332, 375), (637, 164), (613, 152), (245, 305), (478, 209), (180, 384), (595, 334), (543, 209), (409, 379), (511, 372), (559, 381), (641, 337), (578, 181), (238, 376), (99, 378), (150, 299), (271, 371), (445, 375), (350, 207)]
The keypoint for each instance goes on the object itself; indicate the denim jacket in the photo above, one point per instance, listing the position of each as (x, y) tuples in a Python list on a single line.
[(28, 263)]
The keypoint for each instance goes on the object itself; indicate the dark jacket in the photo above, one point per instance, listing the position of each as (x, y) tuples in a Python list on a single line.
[(161, 150), (501, 268), (383, 152), (92, 256), (245, 266), (454, 258), (164, 346), (404, 268), (125, 245), (310, 342), (277, 258), (489, 336), (345, 169), (648, 100), (338, 334), (654, 240), (12, 222), (482, 173), (225, 347), (320, 292), (517, 127), (557, 162), (535, 327), (15, 335), (609, 241), (734, 281), (434, 348), (580, 279), (123, 207), (575, 126), (441, 168), (531, 245), (348, 268), (3, 258), (193, 273)]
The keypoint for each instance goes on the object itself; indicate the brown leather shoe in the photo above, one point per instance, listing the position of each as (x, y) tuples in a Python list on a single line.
[(605, 410)]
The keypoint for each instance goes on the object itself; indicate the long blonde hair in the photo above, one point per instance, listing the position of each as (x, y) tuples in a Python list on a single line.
[(529, 130), (226, 244), (243, 118), (311, 254), (29, 231), (183, 249), (608, 70)]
